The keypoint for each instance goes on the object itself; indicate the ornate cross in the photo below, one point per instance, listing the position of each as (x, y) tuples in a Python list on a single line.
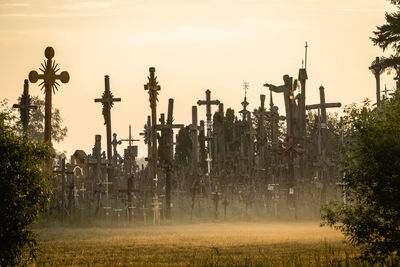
[(107, 100), (24, 106), (153, 88), (49, 83)]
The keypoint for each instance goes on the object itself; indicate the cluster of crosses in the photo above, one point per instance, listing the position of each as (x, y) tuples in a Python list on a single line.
[(283, 164)]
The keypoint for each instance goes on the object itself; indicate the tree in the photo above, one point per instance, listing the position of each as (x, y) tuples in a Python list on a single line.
[(24, 194), (36, 122), (370, 218), (388, 36)]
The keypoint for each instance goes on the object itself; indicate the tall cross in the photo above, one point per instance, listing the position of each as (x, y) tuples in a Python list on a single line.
[(129, 191), (130, 153), (50, 77), (323, 105), (167, 130), (208, 102), (377, 69), (24, 106), (153, 88), (194, 128), (49, 83), (107, 100)]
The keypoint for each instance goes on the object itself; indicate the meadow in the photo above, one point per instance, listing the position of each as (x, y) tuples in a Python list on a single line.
[(204, 244)]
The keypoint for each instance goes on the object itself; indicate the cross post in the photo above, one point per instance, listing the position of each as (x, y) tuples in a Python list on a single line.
[(50, 82), (24, 106), (129, 192), (208, 102), (63, 172)]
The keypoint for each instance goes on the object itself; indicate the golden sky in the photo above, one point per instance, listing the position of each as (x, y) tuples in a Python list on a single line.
[(194, 45)]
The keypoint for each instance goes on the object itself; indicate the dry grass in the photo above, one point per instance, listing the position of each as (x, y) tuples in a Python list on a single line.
[(222, 244)]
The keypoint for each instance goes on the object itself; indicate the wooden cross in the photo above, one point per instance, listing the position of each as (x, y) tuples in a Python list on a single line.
[(63, 172), (49, 83), (153, 88), (107, 100), (143, 209), (49, 76), (156, 210), (129, 192), (24, 106), (323, 105), (208, 102), (194, 128), (83, 190), (130, 152), (377, 68)]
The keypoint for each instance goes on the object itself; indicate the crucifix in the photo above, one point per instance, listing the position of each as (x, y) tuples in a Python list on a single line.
[(377, 69), (116, 157), (24, 106), (208, 102), (153, 88), (129, 191), (107, 100), (49, 76), (63, 172)]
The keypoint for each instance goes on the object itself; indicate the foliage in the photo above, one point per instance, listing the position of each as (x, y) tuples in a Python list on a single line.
[(388, 36), (183, 149), (371, 173), (24, 194), (36, 120)]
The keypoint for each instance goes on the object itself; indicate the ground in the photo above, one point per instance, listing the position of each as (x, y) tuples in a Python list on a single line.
[(207, 244)]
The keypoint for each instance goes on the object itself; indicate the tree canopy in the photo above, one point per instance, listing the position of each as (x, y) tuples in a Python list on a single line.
[(370, 218), (24, 193)]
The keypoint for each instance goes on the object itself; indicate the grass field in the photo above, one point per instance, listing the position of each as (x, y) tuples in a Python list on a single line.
[(220, 244)]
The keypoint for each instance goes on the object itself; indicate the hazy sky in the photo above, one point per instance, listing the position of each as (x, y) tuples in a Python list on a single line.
[(194, 45)]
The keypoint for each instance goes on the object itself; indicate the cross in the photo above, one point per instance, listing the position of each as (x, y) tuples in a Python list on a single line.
[(49, 76), (244, 111), (156, 210), (305, 57), (323, 105), (129, 154), (106, 183), (129, 192), (130, 139), (63, 171), (114, 144), (24, 106), (208, 102), (377, 69), (194, 128), (107, 100), (209, 160), (143, 209), (83, 190), (153, 88)]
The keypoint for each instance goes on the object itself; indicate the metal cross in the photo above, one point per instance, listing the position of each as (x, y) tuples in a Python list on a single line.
[(24, 106)]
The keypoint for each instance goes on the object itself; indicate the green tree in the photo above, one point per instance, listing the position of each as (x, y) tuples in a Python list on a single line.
[(370, 218), (36, 120), (24, 194), (388, 36)]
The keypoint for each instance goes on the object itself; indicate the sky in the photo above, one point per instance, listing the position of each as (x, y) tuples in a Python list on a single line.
[(194, 45)]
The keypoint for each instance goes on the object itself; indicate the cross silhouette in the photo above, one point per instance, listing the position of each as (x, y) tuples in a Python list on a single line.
[(24, 106), (107, 100), (129, 192)]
